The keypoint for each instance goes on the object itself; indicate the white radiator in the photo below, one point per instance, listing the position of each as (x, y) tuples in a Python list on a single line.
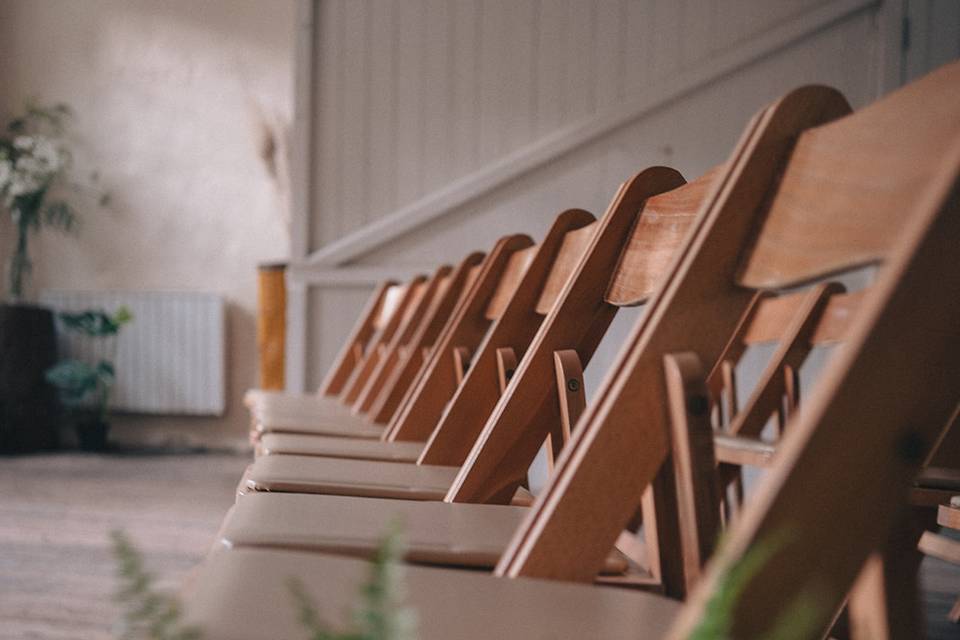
[(169, 359)]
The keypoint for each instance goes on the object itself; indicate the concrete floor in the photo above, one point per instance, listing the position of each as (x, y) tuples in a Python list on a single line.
[(56, 511)]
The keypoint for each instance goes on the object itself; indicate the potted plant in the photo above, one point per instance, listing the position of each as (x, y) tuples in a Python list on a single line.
[(34, 162), (84, 386)]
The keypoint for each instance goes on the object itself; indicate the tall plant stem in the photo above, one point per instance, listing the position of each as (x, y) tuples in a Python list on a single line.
[(20, 260)]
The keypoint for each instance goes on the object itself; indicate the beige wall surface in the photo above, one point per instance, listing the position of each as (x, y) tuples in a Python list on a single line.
[(183, 107)]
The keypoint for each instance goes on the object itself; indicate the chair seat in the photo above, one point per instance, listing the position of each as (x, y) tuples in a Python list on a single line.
[(449, 603), (305, 405), (279, 400), (362, 478), (341, 426), (338, 476), (434, 532), (334, 447)]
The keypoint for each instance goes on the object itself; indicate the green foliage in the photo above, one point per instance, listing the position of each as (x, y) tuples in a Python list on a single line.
[(380, 614), (96, 323), (147, 614), (798, 621), (81, 383)]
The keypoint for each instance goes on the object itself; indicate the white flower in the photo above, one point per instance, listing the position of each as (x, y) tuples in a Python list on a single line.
[(23, 142), (49, 154)]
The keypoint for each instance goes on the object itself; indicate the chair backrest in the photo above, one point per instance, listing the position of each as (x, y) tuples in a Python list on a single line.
[(382, 305), (513, 272), (406, 310), (416, 336), (441, 372), (503, 316), (615, 270), (808, 192), (399, 379)]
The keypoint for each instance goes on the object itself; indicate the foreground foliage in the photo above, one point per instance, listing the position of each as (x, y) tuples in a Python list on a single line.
[(379, 615)]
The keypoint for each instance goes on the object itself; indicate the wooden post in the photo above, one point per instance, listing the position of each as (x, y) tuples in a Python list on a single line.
[(271, 324)]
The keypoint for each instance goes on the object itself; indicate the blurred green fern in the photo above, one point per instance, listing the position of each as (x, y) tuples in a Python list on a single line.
[(799, 620), (149, 615), (380, 614)]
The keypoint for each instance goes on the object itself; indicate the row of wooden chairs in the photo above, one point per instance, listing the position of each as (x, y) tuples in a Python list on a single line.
[(450, 385)]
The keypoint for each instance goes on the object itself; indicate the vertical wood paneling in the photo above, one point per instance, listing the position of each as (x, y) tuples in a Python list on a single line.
[(415, 94), (492, 60), (463, 123), (608, 46), (326, 184), (410, 28), (517, 85), (639, 25), (578, 96), (698, 31), (550, 67), (354, 88), (381, 93), (435, 92), (664, 55)]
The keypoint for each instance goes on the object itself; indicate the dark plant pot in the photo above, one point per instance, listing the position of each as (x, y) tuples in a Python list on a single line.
[(29, 407), (92, 433)]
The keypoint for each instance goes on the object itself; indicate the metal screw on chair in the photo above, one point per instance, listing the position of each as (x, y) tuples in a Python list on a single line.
[(573, 385)]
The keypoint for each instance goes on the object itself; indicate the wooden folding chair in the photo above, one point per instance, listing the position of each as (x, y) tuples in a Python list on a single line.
[(807, 192), (366, 333), (475, 535), (368, 340), (626, 257), (578, 310), (366, 386), (497, 323)]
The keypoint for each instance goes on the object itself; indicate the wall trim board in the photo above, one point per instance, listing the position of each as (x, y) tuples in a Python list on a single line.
[(351, 277), (447, 199), (301, 163)]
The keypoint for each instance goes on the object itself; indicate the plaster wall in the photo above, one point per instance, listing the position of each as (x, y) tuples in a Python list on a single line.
[(183, 108)]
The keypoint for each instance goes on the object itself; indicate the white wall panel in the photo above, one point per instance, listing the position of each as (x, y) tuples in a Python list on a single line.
[(414, 94), (465, 85)]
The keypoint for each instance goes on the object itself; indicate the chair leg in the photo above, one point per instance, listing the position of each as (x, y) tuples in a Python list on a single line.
[(694, 463)]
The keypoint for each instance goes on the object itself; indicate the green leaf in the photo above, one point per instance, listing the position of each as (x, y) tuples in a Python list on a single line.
[(798, 620), (96, 322), (80, 383), (146, 612), (379, 615)]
